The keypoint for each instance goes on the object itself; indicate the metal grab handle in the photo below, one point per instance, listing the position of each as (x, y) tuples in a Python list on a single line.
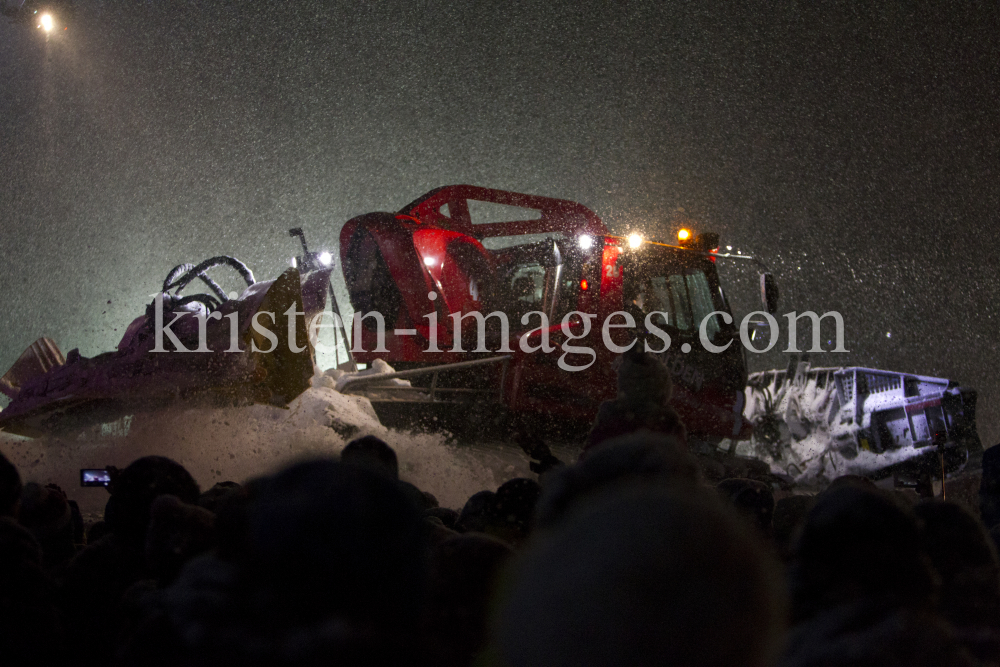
[(416, 372)]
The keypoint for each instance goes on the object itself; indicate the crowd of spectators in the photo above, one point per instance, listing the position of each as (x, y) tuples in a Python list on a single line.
[(626, 557)]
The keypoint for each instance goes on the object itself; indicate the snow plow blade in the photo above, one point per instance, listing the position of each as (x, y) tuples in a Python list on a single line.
[(284, 373), (815, 424)]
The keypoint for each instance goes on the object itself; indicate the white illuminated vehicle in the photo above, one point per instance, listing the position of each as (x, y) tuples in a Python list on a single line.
[(815, 424)]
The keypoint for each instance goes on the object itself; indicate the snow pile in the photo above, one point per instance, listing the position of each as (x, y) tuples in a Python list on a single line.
[(240, 443)]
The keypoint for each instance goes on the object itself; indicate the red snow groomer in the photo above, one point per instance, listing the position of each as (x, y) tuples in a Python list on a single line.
[(442, 271)]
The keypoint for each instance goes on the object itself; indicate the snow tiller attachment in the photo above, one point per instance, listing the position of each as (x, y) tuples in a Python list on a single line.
[(819, 423)]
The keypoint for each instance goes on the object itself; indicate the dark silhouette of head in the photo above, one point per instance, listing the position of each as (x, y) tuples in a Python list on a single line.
[(966, 560), (635, 459), (989, 488), (447, 516), (859, 544), (373, 453), (218, 494), (642, 377), (321, 563), (789, 515), (46, 512), (423, 500), (333, 540), (509, 516), (10, 487), (135, 488), (177, 532), (472, 518), (463, 572), (642, 576), (852, 480), (753, 499)]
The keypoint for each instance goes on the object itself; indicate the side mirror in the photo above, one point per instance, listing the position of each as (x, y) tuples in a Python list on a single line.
[(768, 293)]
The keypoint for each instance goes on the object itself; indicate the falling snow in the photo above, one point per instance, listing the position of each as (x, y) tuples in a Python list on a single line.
[(852, 149)]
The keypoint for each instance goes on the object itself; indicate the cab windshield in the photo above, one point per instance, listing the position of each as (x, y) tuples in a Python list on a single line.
[(680, 293)]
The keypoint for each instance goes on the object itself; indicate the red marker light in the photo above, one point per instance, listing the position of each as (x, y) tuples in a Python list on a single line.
[(583, 285)]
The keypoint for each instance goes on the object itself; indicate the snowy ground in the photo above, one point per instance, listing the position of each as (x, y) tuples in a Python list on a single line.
[(240, 443)]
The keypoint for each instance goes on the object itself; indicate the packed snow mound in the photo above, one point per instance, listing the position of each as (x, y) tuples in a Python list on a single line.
[(241, 443)]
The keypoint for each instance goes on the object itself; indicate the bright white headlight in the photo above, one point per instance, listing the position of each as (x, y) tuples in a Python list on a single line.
[(634, 240), (46, 23), (586, 241), (325, 258)]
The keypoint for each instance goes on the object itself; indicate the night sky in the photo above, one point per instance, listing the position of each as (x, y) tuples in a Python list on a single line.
[(855, 150)]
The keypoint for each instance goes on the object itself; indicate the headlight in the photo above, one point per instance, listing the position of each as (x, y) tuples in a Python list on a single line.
[(634, 241)]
